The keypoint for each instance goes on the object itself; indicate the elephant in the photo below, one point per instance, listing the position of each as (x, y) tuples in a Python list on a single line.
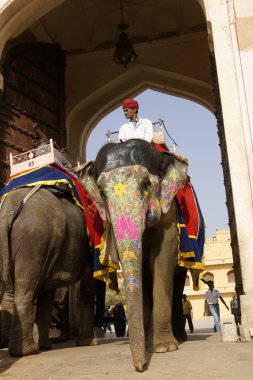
[(44, 246), (133, 186)]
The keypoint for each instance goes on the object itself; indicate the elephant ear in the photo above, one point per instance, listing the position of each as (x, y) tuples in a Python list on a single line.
[(89, 183), (173, 180)]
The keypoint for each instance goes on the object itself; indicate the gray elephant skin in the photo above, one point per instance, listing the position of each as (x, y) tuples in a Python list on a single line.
[(133, 186), (45, 248)]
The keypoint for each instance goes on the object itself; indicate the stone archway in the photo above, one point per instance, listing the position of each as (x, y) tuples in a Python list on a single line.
[(178, 48), (17, 15), (91, 110)]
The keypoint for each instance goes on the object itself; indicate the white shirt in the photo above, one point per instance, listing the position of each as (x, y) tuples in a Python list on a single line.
[(142, 129), (212, 297)]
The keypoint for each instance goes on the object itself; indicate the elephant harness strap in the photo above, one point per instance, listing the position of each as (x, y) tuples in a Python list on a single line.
[(14, 214)]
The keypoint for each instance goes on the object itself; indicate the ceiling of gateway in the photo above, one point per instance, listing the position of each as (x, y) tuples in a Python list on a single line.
[(91, 25)]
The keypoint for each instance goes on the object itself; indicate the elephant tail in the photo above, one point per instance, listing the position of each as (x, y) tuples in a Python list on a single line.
[(6, 263), (6, 277)]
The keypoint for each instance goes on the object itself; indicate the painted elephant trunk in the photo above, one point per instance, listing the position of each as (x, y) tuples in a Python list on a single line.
[(129, 235), (127, 209)]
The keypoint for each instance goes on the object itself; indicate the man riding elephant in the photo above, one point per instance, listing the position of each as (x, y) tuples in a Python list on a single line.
[(138, 127)]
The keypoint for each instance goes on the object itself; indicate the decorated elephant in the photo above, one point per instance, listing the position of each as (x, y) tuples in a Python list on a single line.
[(133, 186), (44, 245)]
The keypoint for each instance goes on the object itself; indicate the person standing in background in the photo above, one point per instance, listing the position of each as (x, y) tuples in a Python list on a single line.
[(212, 297), (235, 310), (187, 308)]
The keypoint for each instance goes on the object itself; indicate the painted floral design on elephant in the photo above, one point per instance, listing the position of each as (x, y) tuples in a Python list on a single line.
[(154, 207), (122, 194), (125, 228), (171, 185)]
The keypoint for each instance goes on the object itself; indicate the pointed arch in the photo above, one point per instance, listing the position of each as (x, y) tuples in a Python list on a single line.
[(83, 118), (18, 15)]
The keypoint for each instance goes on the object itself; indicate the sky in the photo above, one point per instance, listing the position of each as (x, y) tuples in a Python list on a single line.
[(193, 127)]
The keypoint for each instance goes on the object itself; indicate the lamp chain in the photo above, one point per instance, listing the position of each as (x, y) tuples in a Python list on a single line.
[(121, 11)]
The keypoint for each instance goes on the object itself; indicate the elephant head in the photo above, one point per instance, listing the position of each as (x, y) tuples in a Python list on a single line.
[(133, 186)]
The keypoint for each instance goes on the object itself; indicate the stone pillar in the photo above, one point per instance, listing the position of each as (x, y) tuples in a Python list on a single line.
[(244, 33), (230, 28), (246, 302)]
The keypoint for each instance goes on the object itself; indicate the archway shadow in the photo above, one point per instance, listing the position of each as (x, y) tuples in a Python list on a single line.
[(198, 336), (6, 361)]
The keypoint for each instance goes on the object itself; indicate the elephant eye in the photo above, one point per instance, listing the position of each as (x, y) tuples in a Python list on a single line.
[(145, 185)]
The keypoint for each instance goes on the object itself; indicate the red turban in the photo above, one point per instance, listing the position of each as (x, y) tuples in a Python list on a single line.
[(130, 103)]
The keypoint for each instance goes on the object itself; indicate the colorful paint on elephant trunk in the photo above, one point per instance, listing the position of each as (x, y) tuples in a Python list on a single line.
[(128, 209), (174, 180), (154, 207), (126, 231)]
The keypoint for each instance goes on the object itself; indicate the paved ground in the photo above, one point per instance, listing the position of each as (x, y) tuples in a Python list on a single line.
[(203, 357)]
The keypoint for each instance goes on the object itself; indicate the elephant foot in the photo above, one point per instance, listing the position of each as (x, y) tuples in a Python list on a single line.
[(163, 347), (167, 346), (87, 342), (24, 349)]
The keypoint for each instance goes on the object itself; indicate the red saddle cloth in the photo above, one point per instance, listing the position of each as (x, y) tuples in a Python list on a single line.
[(160, 147), (95, 225)]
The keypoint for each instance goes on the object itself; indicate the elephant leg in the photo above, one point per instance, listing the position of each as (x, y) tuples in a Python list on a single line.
[(147, 295), (43, 318), (85, 336), (100, 287), (21, 339), (65, 317), (178, 320), (7, 308), (161, 338), (100, 290)]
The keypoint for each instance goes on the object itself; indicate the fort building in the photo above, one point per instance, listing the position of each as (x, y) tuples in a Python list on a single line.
[(218, 268)]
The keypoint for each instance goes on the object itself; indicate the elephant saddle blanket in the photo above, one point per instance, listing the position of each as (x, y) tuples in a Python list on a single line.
[(58, 179), (191, 232), (191, 229)]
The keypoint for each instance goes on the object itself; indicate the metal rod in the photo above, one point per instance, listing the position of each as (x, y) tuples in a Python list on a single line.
[(121, 11), (111, 133), (162, 123)]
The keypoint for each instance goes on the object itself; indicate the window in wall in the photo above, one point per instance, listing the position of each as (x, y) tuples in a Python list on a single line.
[(231, 276), (208, 276)]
